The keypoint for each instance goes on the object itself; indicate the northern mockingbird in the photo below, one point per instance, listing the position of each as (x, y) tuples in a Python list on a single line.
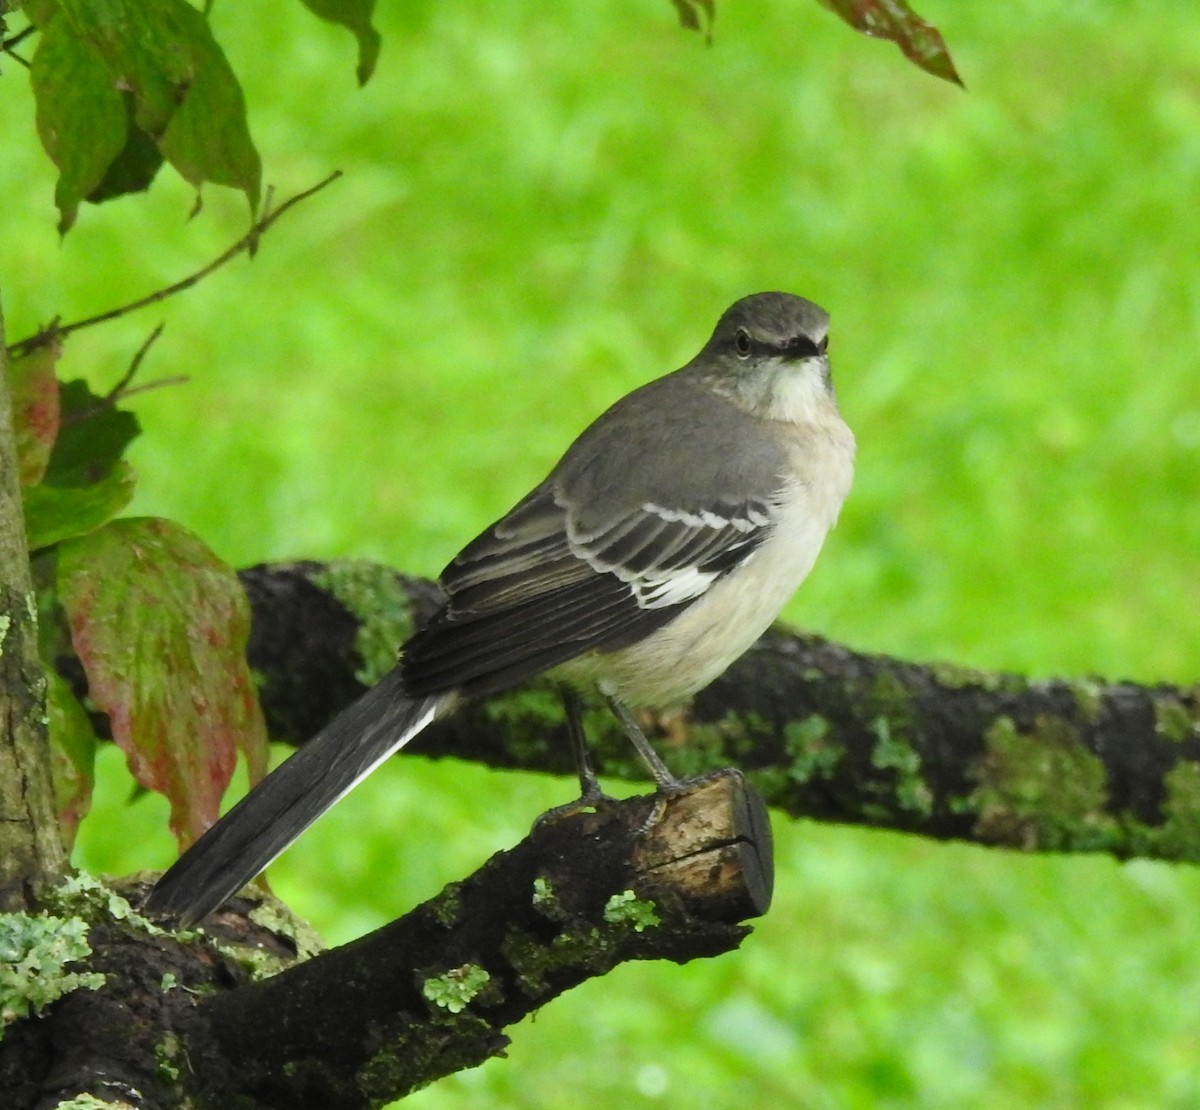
[(660, 547)]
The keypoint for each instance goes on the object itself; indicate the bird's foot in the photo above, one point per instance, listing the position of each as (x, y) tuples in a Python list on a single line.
[(667, 790), (592, 799)]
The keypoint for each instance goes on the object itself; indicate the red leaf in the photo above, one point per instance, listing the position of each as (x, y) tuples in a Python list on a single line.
[(35, 409), (895, 21), (160, 625)]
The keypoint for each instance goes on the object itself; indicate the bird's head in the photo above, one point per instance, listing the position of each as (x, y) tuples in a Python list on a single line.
[(768, 355)]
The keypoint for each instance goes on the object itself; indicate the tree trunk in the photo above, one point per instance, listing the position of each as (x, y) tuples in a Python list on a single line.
[(31, 851)]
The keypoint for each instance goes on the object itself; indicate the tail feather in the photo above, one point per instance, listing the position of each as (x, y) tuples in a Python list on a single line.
[(291, 798)]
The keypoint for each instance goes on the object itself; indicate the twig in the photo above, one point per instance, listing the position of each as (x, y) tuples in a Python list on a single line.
[(247, 242), (158, 383), (122, 389), (7, 45), (119, 389), (18, 38), (6, 48)]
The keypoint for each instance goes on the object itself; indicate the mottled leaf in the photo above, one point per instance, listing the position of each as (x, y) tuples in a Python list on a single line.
[(895, 21), (56, 513), (72, 755), (160, 625), (92, 438), (80, 116), (35, 409), (355, 16)]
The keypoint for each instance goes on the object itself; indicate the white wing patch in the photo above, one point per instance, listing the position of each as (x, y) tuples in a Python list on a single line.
[(671, 588), (658, 572)]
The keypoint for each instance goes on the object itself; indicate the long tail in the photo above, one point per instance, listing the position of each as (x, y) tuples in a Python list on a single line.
[(291, 798)]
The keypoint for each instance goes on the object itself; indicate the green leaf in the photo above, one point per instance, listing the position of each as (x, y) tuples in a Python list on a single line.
[(696, 15), (85, 483), (38, 12), (80, 115), (57, 513), (160, 78), (35, 409), (92, 438), (144, 47), (135, 167), (160, 625), (895, 21), (355, 15), (208, 139), (72, 755)]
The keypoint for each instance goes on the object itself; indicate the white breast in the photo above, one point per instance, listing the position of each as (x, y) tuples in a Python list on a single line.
[(687, 654)]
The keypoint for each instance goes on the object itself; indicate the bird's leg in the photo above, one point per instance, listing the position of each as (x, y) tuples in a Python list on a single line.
[(668, 784), (591, 796), (590, 793)]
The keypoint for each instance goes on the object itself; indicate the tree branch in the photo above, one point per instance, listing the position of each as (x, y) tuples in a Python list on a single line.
[(248, 243), (186, 1021), (431, 993), (823, 731)]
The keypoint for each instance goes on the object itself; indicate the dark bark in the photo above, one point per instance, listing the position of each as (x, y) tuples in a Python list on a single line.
[(424, 996), (529, 925), (823, 731)]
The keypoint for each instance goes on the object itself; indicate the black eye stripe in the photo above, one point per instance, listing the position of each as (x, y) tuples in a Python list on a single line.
[(799, 346)]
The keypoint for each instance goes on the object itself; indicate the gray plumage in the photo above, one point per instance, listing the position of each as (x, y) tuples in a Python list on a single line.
[(657, 550)]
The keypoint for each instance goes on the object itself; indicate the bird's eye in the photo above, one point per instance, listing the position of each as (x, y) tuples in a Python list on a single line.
[(741, 343)]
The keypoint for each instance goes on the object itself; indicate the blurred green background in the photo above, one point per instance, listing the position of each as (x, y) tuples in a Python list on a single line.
[(546, 205)]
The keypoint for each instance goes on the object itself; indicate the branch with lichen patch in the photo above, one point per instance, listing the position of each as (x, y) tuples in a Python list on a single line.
[(249, 1012), (433, 992), (823, 731)]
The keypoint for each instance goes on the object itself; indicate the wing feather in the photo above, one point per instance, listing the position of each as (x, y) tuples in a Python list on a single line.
[(592, 560), (536, 590)]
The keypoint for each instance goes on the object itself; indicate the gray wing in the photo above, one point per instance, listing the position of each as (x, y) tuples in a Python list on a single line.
[(599, 555)]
